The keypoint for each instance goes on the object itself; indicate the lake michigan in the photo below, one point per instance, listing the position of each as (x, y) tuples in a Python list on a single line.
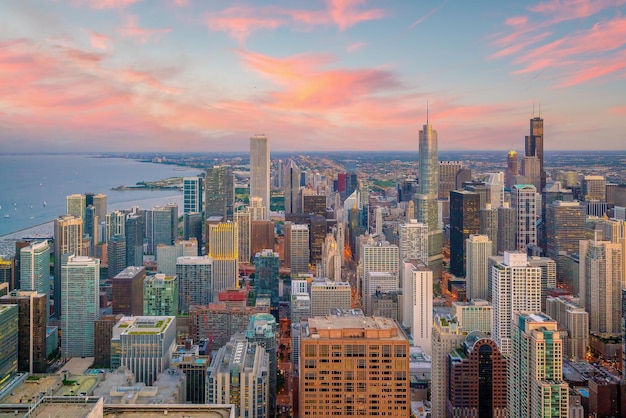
[(33, 188)]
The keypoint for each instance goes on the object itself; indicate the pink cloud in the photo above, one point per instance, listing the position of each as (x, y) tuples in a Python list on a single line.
[(132, 30), (181, 3), (516, 20), (355, 46), (346, 13), (108, 4), (562, 10), (240, 22), (99, 41), (620, 110)]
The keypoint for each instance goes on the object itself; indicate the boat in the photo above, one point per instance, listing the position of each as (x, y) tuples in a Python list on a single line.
[(7, 216), (44, 203)]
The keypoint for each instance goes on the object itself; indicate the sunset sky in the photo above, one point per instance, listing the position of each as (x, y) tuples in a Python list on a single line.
[(205, 75)]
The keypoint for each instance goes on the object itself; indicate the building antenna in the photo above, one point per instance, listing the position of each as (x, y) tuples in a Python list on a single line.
[(426, 111), (533, 109), (539, 109)]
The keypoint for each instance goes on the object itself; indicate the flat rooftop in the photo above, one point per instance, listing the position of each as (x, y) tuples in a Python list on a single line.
[(143, 325), (353, 327)]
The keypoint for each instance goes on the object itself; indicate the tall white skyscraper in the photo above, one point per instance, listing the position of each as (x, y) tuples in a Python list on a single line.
[(479, 249), (417, 293), (260, 169), (382, 258), (495, 187), (527, 204), (414, 241), (35, 267), (68, 234), (516, 287), (80, 294), (297, 247)]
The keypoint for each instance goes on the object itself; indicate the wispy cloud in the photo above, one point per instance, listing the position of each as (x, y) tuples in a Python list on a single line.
[(99, 41), (108, 4), (355, 46), (131, 29), (422, 19)]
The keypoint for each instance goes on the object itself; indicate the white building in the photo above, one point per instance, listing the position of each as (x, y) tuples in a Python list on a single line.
[(417, 287), (479, 249), (260, 170), (527, 204), (414, 241), (327, 295), (377, 257)]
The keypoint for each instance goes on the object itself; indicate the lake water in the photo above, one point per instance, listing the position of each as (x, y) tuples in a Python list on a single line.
[(33, 188)]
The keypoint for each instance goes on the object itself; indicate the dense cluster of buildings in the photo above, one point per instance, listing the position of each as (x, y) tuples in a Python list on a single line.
[(453, 294)]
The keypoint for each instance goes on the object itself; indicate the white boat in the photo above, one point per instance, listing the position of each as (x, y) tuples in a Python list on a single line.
[(7, 216), (44, 203)]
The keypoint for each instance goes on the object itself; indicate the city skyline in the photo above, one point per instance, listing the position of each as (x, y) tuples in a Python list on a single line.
[(113, 75)]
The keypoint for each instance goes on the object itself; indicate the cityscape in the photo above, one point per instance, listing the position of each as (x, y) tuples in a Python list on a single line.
[(312, 209)]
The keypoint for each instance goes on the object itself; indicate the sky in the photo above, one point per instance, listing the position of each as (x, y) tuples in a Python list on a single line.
[(327, 75)]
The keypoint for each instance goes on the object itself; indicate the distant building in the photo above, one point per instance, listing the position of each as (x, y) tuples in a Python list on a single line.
[(192, 194), (220, 192), (35, 267), (8, 342), (594, 188), (260, 170), (160, 295), (68, 234), (127, 291), (266, 265), (464, 221), (195, 281), (327, 295)]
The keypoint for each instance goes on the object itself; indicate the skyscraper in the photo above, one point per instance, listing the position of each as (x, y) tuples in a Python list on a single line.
[(115, 224), (479, 249), (266, 275), (534, 146), (464, 221), (292, 188), (76, 204), (378, 258), (516, 287), (446, 336), (535, 377), (242, 219), (489, 225), (220, 192), (565, 227), (447, 177), (223, 247), (8, 342), (417, 289), (512, 169), (134, 229), (507, 227), (594, 188), (81, 303), (160, 220), (192, 194), (262, 330), (35, 267), (192, 228), (160, 295), (297, 247), (116, 255), (327, 295), (195, 281), (527, 204), (68, 234), (414, 241), (260, 169), (127, 291)]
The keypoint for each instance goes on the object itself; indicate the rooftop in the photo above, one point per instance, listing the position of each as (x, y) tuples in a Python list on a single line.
[(135, 325), (129, 272)]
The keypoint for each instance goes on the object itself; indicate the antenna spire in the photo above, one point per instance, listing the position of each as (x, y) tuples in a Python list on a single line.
[(426, 111), (533, 109), (540, 109)]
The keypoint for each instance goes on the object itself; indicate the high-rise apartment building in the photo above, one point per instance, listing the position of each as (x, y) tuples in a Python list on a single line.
[(8, 342), (512, 169), (565, 227), (571, 316), (75, 205), (489, 226), (167, 255), (35, 267), (266, 265), (220, 192), (260, 170), (242, 219), (327, 295), (115, 224), (446, 336), (80, 295), (195, 281), (448, 171), (534, 146), (99, 202), (31, 334), (369, 359), (382, 258), (601, 278), (68, 234), (479, 249), (297, 247), (160, 295), (417, 303), (192, 194), (144, 345), (116, 255), (192, 229), (134, 229), (594, 188), (127, 291), (413, 241), (516, 287), (464, 221), (223, 247), (262, 330), (475, 315), (535, 379), (527, 204), (507, 227), (478, 377), (159, 220), (292, 188), (239, 375)]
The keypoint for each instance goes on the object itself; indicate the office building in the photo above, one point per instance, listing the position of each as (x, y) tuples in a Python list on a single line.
[(417, 292), (35, 267), (134, 229), (570, 316), (80, 295), (527, 204), (297, 247), (103, 333), (313, 203), (260, 170), (479, 249), (548, 275), (565, 227), (262, 330), (220, 192), (7, 272), (242, 219), (489, 226), (266, 265), (145, 345), (507, 227), (331, 259), (512, 169), (327, 295), (448, 171), (446, 336), (195, 281), (475, 315), (68, 234), (8, 343), (127, 291), (262, 236), (382, 258), (464, 221), (167, 255), (223, 247), (531, 171), (192, 228), (192, 194), (495, 189), (535, 368), (601, 278), (594, 188), (534, 147), (217, 322), (369, 357), (115, 224), (160, 220), (292, 188), (516, 287), (478, 377), (413, 241), (75, 205), (239, 375), (116, 255), (188, 359), (32, 322), (160, 295)]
